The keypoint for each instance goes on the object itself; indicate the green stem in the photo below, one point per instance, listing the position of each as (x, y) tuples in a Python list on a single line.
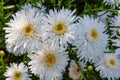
[(2, 61), (59, 3), (98, 9), (69, 4), (3, 66), (24, 58), (2, 8)]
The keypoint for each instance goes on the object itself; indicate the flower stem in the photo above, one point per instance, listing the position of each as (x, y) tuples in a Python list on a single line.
[(1, 59)]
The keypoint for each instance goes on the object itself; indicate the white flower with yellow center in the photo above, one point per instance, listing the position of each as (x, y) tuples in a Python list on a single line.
[(17, 72), (91, 41), (24, 31), (112, 3), (108, 67), (60, 27), (48, 63)]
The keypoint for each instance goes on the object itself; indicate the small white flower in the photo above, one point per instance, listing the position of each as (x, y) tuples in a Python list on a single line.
[(39, 7), (112, 3), (91, 42), (75, 71), (109, 67), (105, 16), (24, 31), (27, 6), (48, 63), (60, 27), (115, 21), (17, 72)]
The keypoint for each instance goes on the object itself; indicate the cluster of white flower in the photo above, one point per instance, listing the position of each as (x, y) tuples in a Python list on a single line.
[(45, 38)]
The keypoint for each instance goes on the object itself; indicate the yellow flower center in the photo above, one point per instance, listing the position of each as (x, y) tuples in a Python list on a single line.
[(50, 59), (28, 30), (112, 62), (94, 34), (17, 75), (60, 28)]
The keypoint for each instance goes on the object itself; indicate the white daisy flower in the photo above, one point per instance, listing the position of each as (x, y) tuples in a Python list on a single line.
[(112, 3), (24, 31), (48, 63), (60, 27), (109, 67), (75, 71), (105, 16), (17, 72), (115, 21), (91, 42)]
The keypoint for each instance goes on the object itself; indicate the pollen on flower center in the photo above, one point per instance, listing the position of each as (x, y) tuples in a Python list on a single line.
[(60, 28), (50, 59), (112, 62), (17, 75), (94, 34), (28, 30)]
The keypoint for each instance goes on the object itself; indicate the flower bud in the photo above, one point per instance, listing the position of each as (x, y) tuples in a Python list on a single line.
[(2, 53), (90, 68)]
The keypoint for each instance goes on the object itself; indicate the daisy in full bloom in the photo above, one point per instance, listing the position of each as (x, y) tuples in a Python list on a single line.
[(17, 72), (75, 71), (115, 21), (109, 67), (49, 63), (60, 27), (24, 31), (91, 41), (112, 3)]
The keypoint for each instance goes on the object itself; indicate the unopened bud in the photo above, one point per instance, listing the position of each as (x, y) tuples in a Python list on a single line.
[(90, 68), (2, 53)]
